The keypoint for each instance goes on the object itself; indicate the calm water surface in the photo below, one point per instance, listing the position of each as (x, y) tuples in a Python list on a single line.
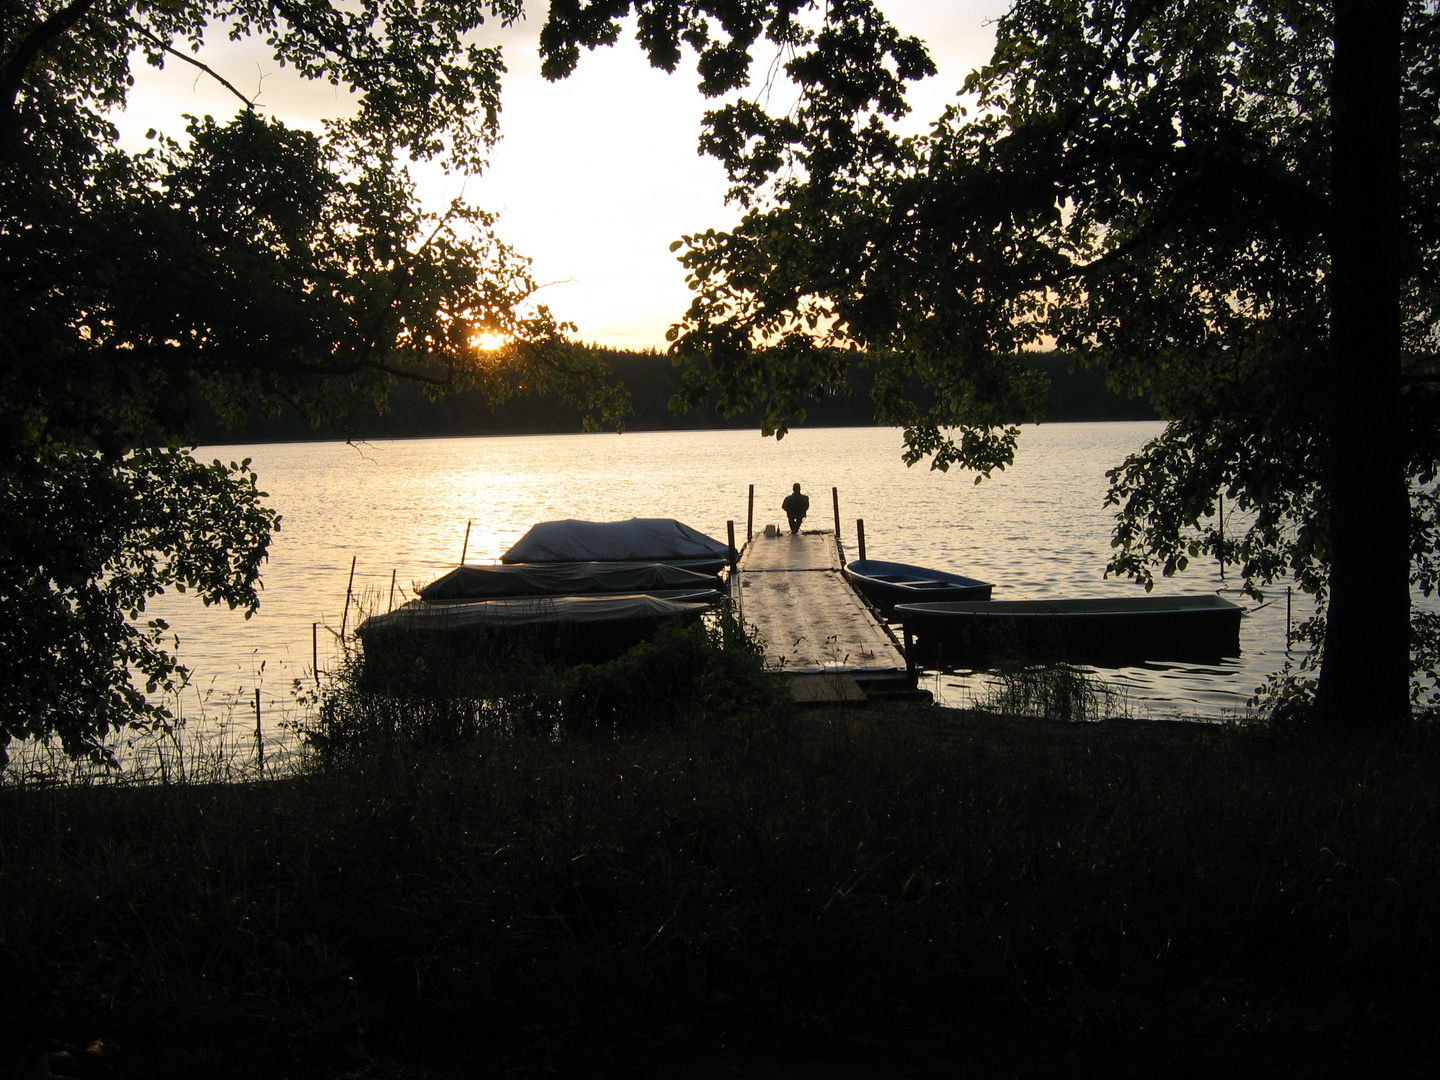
[(1039, 529)]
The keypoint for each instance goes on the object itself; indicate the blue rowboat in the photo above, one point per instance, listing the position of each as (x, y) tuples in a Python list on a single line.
[(886, 584)]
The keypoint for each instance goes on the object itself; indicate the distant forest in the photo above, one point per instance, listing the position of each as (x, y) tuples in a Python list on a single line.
[(651, 381)]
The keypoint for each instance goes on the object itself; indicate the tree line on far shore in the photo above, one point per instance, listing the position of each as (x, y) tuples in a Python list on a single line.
[(651, 382)]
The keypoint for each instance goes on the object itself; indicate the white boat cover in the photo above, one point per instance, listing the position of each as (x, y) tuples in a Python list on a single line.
[(636, 540), (514, 612), (561, 579)]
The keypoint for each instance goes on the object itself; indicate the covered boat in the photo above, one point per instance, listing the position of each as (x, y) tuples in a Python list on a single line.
[(572, 628), (1101, 630), (662, 540), (886, 584), (563, 579)]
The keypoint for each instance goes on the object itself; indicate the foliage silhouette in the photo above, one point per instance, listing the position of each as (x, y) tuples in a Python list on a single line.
[(1230, 204), (246, 264)]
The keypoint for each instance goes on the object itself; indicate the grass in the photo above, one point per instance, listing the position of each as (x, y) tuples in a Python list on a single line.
[(901, 891)]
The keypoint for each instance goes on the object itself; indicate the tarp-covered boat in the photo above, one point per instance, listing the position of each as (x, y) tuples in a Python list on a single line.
[(662, 540), (1100, 630), (573, 628), (562, 579), (886, 584)]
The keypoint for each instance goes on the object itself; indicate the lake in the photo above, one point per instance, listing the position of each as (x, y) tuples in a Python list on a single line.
[(400, 510)]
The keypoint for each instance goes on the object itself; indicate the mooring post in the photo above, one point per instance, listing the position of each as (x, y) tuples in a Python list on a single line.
[(860, 537), (315, 652), (259, 731), (750, 516), (349, 589), (392, 588), (1222, 537), (734, 555), (835, 498), (1288, 590), (910, 671), (465, 548)]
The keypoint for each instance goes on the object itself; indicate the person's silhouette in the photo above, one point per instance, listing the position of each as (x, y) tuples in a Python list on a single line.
[(796, 506)]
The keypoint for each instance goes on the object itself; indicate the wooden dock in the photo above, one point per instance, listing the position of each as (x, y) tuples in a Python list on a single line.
[(815, 627)]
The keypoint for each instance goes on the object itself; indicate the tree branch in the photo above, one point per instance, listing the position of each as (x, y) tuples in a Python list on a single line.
[(206, 68), (55, 26)]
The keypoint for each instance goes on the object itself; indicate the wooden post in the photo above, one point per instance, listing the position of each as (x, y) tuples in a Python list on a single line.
[(835, 498), (911, 673), (465, 549), (259, 731), (860, 536), (1288, 589), (392, 588), (730, 533), (349, 589), (1222, 537), (315, 652), (750, 516)]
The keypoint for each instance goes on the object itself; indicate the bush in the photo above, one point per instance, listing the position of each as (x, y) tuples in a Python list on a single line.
[(685, 676)]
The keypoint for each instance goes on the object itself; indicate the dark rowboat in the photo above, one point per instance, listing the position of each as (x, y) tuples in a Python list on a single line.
[(886, 584), (1100, 631)]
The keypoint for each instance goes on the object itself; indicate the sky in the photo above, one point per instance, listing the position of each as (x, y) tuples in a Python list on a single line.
[(595, 176)]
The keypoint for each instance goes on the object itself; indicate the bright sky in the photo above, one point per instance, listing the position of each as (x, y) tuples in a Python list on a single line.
[(595, 176)]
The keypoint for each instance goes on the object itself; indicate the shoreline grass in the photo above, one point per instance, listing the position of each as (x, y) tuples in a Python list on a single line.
[(869, 892)]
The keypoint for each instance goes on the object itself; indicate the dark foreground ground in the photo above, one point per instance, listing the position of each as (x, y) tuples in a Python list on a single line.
[(903, 892)]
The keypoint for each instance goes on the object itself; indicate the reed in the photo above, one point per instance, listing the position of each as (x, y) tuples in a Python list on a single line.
[(880, 891), (1052, 692)]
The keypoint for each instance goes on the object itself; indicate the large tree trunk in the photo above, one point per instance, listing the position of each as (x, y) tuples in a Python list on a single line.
[(1365, 669)]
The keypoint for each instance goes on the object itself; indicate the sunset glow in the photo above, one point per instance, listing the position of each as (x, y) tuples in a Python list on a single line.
[(488, 342), (602, 246)]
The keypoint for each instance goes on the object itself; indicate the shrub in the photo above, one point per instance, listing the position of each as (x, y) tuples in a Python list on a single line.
[(700, 674)]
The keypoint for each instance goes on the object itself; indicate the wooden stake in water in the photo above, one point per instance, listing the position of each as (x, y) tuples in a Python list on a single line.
[(860, 536), (835, 498), (259, 731), (1288, 590), (392, 589), (730, 534), (465, 548), (1222, 537), (315, 652), (349, 591), (750, 516)]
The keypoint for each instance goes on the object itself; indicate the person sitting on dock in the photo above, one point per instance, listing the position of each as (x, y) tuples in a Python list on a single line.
[(796, 506)]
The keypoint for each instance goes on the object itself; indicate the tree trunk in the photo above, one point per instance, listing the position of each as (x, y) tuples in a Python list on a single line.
[(1365, 669)]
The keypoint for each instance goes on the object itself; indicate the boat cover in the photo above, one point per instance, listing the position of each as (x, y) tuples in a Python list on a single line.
[(635, 540), (419, 616), (561, 579)]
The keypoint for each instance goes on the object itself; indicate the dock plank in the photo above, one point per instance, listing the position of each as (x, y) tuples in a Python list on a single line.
[(791, 590)]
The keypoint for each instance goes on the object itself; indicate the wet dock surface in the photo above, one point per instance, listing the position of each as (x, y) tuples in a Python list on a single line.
[(815, 627)]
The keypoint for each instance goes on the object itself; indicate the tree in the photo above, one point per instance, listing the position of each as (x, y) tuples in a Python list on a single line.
[(1231, 204), (243, 263)]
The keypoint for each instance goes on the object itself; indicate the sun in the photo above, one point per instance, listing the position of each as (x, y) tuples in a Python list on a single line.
[(489, 342)]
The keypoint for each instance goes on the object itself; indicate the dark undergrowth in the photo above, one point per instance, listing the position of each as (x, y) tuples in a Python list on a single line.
[(886, 892)]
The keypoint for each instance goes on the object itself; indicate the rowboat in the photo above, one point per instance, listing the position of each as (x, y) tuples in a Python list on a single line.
[(886, 584), (1102, 630)]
